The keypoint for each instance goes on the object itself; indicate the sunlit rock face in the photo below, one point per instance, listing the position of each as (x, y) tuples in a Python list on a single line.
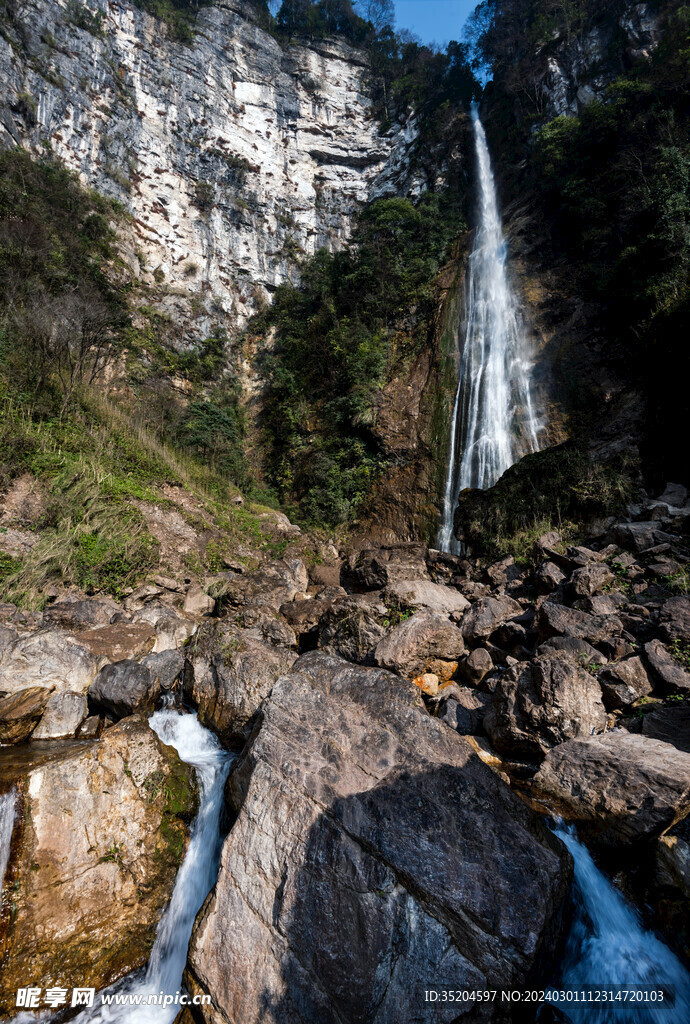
[(235, 157), (580, 66)]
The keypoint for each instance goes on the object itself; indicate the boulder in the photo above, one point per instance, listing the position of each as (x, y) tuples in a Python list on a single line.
[(372, 851), (377, 568), (476, 666), (486, 615), (165, 668), (121, 641), (20, 713), (624, 682), (7, 637), (48, 658), (591, 579), (270, 586), (671, 724), (64, 713), (424, 594), (547, 577), (171, 629), (227, 676), (351, 628), (80, 613), (579, 650), (124, 688), (541, 703), (409, 646), (104, 831), (674, 618), (198, 603), (621, 787), (465, 709), (557, 620), (668, 672)]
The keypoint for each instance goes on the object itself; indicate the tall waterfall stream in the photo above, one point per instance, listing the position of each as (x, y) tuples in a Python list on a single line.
[(494, 420)]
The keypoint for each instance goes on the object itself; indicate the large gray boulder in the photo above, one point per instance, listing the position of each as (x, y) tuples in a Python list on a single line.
[(622, 787), (670, 675), (409, 646), (557, 620), (228, 674), (376, 568), (372, 851), (540, 703), (624, 682), (424, 594), (48, 658), (351, 628), (124, 688), (486, 615), (64, 713)]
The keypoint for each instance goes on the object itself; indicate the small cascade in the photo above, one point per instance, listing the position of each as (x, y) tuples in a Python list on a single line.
[(494, 420), (196, 877), (608, 946), (7, 803)]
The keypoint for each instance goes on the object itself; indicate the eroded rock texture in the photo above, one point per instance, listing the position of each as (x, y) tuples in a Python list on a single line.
[(372, 851)]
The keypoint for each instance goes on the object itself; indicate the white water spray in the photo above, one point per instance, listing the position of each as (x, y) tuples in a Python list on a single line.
[(7, 801), (608, 946), (197, 875), (494, 422)]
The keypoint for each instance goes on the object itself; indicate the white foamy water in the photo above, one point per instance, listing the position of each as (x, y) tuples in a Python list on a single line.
[(7, 802), (494, 420), (608, 946), (197, 875)]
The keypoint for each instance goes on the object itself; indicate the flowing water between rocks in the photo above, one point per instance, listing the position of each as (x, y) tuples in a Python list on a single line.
[(7, 801), (197, 875), (608, 946), (494, 421)]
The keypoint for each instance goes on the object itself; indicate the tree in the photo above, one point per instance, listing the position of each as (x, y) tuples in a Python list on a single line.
[(381, 13)]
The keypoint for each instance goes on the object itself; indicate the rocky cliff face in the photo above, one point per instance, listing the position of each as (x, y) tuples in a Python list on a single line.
[(233, 156)]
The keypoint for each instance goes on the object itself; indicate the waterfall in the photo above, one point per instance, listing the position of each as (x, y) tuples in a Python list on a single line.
[(7, 801), (197, 875), (494, 421), (608, 946)]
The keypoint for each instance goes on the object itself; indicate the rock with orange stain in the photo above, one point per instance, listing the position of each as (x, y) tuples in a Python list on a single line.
[(427, 683)]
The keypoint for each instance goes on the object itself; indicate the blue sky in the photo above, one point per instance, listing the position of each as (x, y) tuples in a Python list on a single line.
[(436, 21)]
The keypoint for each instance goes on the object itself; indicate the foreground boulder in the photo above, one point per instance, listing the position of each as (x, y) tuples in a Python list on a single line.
[(64, 713), (423, 594), (372, 851), (228, 674), (100, 832), (376, 568), (667, 670), (621, 787), (20, 713), (541, 703)]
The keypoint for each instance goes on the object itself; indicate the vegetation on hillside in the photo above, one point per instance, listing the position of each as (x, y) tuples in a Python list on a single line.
[(338, 336)]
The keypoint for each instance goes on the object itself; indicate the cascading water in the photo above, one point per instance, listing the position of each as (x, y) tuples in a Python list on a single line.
[(494, 421), (7, 801), (200, 748), (608, 946)]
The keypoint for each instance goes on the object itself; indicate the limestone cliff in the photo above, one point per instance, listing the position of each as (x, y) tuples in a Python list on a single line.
[(233, 156)]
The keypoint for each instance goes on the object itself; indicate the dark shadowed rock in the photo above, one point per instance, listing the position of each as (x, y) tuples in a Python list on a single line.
[(228, 674), (486, 615), (590, 580), (389, 855), (624, 682), (674, 618), (669, 724), (547, 577), (641, 536), (464, 709), (351, 627), (124, 688), (557, 620), (377, 568), (622, 787), (166, 667), (64, 713), (541, 703), (80, 614), (426, 635), (20, 713), (476, 666), (579, 650), (668, 672)]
